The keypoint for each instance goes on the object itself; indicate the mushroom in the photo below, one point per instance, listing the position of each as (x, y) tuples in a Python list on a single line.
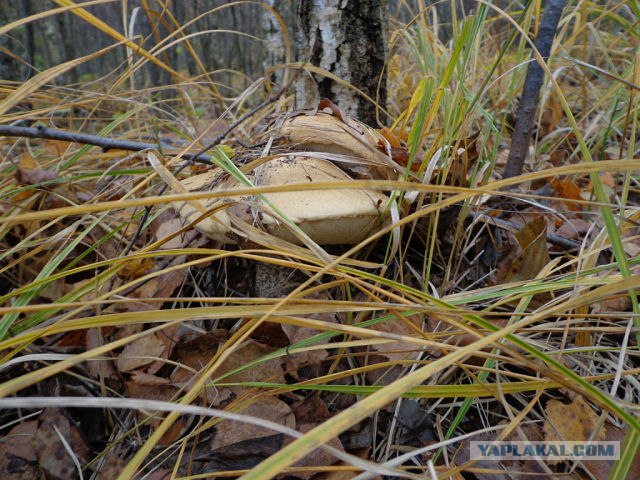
[(329, 216), (345, 137)]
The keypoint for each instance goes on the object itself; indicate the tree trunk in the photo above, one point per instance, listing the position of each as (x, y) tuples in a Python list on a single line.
[(273, 35), (26, 10), (348, 39)]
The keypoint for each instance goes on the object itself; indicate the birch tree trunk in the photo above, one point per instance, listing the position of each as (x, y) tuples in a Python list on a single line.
[(349, 39)]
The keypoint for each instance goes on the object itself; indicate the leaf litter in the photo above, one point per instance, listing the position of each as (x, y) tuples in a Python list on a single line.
[(134, 260)]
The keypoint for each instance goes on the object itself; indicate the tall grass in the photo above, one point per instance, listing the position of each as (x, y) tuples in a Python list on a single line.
[(476, 351)]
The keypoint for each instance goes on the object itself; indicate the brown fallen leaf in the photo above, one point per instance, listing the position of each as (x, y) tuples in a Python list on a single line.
[(296, 334), (99, 368), (490, 469), (569, 190), (29, 176), (267, 408), (317, 458), (141, 352), (53, 458), (531, 257), (18, 459), (197, 353), (17, 442), (151, 387), (391, 351), (111, 466), (311, 408), (601, 470), (572, 422)]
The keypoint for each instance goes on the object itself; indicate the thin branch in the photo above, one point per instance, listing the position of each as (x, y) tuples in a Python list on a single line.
[(531, 90), (513, 227), (104, 142)]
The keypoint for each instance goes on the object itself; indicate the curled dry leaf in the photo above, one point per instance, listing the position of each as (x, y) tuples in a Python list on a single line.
[(335, 216)]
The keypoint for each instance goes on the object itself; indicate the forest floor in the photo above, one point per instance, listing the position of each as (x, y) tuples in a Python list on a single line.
[(381, 292)]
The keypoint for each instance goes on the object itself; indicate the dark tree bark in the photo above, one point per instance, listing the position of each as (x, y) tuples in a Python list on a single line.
[(26, 10), (531, 90), (67, 42), (347, 38)]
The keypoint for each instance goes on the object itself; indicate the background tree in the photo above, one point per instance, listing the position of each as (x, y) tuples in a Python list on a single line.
[(349, 40)]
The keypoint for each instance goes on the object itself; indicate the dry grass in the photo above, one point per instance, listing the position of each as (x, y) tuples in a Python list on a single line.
[(421, 310)]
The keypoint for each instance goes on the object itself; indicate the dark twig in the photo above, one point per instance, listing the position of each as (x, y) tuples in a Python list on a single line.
[(557, 240), (531, 89), (104, 142)]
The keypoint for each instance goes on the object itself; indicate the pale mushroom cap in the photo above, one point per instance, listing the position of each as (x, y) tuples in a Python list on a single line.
[(335, 216)]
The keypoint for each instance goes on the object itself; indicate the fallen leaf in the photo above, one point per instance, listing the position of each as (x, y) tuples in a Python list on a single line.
[(141, 352), (28, 176), (18, 459), (98, 368), (53, 458), (532, 255), (600, 469), (487, 469), (318, 457), (136, 268), (296, 360), (573, 228), (267, 408), (111, 466), (243, 455), (197, 353), (311, 408), (17, 443), (569, 190), (572, 422), (392, 351)]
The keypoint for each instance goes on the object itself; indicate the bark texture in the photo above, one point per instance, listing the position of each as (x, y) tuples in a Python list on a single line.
[(525, 118), (349, 39)]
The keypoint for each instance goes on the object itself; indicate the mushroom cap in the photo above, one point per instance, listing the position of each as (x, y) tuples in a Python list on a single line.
[(326, 133), (333, 216)]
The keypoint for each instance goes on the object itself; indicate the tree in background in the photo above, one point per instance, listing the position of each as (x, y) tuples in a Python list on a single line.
[(348, 38)]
